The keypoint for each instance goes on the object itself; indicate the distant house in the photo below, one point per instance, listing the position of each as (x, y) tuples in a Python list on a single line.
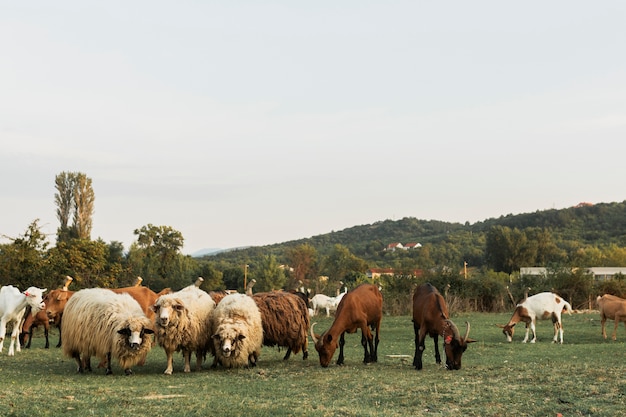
[(598, 273), (413, 245), (393, 246), (397, 245), (375, 273)]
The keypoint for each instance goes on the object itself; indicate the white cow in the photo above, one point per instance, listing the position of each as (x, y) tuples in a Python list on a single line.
[(12, 308)]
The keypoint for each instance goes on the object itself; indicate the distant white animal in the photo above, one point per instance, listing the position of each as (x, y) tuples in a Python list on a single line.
[(12, 308), (545, 305), (324, 302)]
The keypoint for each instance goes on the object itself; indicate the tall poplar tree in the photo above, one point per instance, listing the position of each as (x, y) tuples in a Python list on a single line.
[(74, 199)]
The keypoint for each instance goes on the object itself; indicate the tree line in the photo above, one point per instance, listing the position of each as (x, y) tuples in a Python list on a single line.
[(565, 241)]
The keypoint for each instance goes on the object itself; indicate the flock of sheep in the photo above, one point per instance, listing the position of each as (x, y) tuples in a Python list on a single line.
[(123, 326), (98, 322)]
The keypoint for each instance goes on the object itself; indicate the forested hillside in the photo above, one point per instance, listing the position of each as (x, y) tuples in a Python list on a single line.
[(478, 265), (568, 229)]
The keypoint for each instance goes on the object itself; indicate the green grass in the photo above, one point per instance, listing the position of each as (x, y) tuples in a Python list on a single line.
[(583, 377)]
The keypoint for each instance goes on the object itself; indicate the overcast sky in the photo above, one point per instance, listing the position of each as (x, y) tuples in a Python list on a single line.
[(257, 122)]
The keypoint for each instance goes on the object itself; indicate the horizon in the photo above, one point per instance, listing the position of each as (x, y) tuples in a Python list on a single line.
[(245, 124)]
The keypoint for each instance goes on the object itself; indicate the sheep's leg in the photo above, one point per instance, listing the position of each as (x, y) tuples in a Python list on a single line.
[(288, 354), (170, 363), (252, 359), (87, 363), (199, 359), (76, 356), (527, 330), (187, 356), (109, 371), (602, 323)]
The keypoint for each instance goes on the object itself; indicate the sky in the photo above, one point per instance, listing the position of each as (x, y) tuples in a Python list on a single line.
[(245, 123)]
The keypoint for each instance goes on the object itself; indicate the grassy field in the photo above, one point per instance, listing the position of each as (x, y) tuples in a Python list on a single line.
[(583, 377)]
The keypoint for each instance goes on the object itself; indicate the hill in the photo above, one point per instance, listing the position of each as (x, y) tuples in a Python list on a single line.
[(585, 224)]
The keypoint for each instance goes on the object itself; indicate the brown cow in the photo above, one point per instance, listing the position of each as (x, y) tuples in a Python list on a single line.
[(361, 308), (613, 308), (430, 317)]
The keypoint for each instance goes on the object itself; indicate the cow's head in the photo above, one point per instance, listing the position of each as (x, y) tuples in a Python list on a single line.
[(454, 345), (325, 345)]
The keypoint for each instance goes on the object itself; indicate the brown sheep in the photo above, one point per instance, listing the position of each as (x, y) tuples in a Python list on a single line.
[(285, 319)]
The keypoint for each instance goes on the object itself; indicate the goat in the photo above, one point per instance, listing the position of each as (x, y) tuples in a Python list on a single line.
[(543, 305), (360, 308), (614, 308), (430, 317)]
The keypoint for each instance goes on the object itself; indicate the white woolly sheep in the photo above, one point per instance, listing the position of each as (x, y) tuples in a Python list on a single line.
[(99, 322), (182, 324), (237, 332)]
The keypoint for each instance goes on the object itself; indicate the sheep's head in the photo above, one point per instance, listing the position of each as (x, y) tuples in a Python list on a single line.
[(167, 310), (227, 339), (134, 332)]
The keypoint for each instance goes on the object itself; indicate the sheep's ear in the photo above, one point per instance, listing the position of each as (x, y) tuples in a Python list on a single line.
[(125, 331), (215, 336), (148, 330), (241, 337)]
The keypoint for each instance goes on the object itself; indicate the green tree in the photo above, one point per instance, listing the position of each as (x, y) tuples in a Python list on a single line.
[(85, 261), (156, 257), (23, 262), (270, 276), (341, 264), (303, 260), (509, 249), (74, 198)]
